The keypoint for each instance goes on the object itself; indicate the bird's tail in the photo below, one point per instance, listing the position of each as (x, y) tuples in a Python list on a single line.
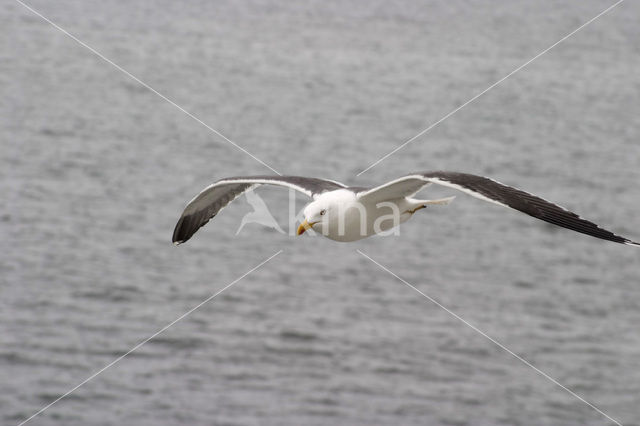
[(439, 202)]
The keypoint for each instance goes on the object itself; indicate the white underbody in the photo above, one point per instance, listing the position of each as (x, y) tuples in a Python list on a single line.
[(349, 218)]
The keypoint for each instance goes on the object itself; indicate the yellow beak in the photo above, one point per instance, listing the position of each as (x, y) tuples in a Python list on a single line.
[(304, 226)]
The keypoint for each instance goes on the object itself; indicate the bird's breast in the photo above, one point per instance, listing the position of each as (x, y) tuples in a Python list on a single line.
[(357, 221)]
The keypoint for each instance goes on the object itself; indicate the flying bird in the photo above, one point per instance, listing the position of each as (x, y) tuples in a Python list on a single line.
[(347, 213)]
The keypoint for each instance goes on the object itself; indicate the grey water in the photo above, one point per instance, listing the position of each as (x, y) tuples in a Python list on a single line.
[(95, 170)]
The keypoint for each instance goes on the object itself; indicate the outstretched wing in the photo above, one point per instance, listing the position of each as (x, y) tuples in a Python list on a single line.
[(216, 196), (494, 192)]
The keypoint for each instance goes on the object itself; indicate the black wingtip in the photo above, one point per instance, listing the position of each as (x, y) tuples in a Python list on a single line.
[(187, 226), (180, 233)]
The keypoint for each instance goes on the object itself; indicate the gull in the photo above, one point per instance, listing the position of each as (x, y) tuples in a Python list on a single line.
[(349, 213)]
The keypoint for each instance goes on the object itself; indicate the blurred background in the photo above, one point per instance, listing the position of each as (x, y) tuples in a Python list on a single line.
[(95, 170)]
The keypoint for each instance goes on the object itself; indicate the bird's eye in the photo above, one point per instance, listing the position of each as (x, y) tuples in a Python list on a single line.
[(322, 212)]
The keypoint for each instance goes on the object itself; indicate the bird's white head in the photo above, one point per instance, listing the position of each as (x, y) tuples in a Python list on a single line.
[(324, 212), (315, 216)]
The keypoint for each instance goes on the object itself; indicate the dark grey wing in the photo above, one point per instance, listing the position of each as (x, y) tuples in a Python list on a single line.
[(495, 192), (216, 196)]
